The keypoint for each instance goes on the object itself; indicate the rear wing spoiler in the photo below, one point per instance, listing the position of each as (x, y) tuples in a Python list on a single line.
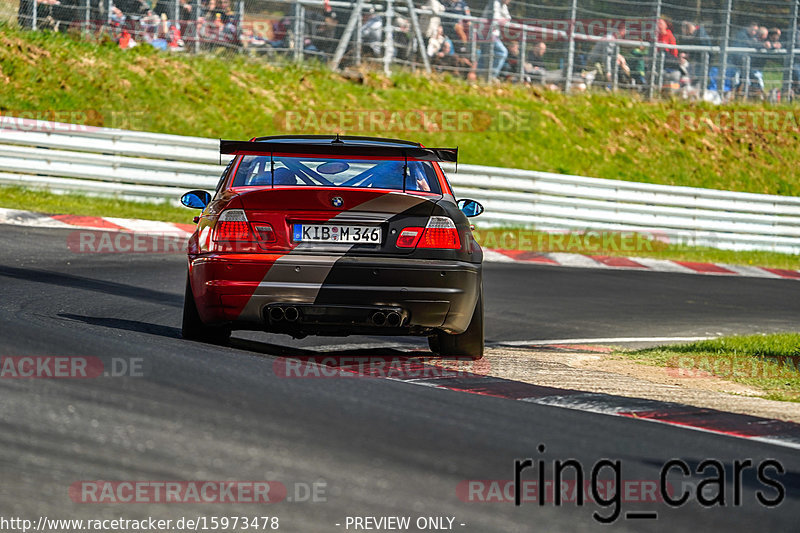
[(338, 148)]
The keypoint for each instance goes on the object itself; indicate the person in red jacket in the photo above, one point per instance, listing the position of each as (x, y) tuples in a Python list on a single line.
[(665, 36)]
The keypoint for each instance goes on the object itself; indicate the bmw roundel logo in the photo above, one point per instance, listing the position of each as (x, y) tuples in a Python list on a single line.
[(337, 201)]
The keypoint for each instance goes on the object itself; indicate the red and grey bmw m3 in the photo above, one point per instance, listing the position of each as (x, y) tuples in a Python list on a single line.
[(321, 235)]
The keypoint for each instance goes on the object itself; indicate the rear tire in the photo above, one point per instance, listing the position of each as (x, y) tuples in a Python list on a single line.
[(193, 328), (467, 344)]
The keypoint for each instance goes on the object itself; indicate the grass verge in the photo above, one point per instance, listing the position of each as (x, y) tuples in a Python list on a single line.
[(78, 204), (768, 362), (233, 96)]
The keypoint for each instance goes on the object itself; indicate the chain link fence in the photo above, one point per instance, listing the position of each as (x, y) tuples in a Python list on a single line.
[(714, 50)]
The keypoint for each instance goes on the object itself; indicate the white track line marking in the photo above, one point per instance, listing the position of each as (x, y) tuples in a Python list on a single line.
[(751, 271), (491, 256), (575, 260), (599, 340), (663, 265), (30, 219), (146, 226)]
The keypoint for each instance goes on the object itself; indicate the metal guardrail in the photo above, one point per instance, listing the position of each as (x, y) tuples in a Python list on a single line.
[(157, 166)]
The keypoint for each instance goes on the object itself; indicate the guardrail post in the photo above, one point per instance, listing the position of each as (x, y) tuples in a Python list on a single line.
[(34, 15), (473, 49), (573, 14), (87, 17), (412, 13), (298, 32), (724, 52), (359, 42), (615, 69), (746, 77), (522, 55), (108, 14), (490, 55), (654, 54), (176, 11), (788, 85), (240, 23), (196, 26), (347, 35), (704, 86), (388, 39)]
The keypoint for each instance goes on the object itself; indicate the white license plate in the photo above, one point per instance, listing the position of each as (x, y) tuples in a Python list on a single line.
[(336, 233)]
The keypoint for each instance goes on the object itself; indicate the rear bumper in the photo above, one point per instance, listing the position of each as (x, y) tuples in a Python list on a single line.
[(238, 289)]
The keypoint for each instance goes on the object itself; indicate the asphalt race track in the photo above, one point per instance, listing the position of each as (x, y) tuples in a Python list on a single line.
[(379, 447)]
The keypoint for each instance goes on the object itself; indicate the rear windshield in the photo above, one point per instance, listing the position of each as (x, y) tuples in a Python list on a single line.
[(255, 170)]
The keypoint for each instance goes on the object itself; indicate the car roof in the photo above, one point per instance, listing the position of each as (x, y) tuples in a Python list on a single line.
[(328, 139)]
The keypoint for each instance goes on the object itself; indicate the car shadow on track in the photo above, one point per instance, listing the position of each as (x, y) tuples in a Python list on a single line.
[(79, 282), (250, 346), (125, 324)]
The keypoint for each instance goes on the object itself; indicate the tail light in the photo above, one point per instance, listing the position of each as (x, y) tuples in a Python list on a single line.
[(265, 233), (232, 226), (409, 237), (234, 233), (440, 232)]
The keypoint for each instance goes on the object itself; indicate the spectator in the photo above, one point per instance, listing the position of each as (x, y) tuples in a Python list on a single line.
[(638, 65), (149, 25), (676, 64), (277, 33), (251, 40), (536, 59), (665, 36), (533, 69), (435, 42), (759, 60), (500, 17), (323, 30), (745, 38), (445, 56), (457, 28), (372, 33), (186, 12), (694, 35), (602, 57), (431, 23), (405, 45), (774, 38), (118, 18)]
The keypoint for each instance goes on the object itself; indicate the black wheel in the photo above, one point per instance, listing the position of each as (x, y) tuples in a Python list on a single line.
[(193, 328), (467, 344)]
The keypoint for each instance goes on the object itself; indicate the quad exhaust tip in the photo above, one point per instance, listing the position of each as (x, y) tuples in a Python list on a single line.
[(387, 318), (276, 314), (391, 319), (291, 314), (379, 318)]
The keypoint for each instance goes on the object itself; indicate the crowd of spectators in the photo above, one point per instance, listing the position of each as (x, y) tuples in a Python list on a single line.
[(453, 40), (163, 24)]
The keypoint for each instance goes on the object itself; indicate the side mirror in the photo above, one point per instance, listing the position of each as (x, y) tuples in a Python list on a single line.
[(196, 199), (470, 208)]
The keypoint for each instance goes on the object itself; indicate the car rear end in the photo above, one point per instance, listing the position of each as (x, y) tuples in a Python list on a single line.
[(334, 256)]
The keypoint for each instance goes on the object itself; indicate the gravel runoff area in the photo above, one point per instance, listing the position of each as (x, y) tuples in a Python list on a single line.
[(602, 372)]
